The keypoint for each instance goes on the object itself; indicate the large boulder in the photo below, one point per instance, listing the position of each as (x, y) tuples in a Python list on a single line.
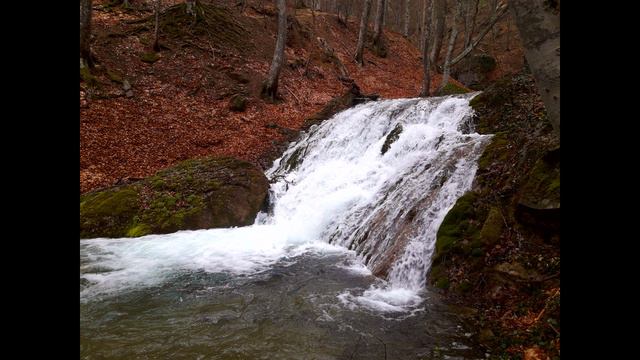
[(473, 71), (194, 194)]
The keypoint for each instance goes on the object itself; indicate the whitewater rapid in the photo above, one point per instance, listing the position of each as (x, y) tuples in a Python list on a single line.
[(333, 191)]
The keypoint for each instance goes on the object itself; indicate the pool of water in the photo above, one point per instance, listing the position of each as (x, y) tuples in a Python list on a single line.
[(300, 308)]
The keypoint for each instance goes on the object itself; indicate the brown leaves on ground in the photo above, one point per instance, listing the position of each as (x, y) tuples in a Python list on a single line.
[(179, 107)]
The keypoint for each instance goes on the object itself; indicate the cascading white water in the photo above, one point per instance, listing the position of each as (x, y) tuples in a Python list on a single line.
[(332, 190)]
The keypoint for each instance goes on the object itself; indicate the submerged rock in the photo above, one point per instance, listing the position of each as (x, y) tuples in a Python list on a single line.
[(195, 194)]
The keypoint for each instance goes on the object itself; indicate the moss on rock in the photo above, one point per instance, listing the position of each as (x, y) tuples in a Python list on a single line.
[(542, 188), (451, 89), (238, 103), (149, 57), (194, 194), (492, 227), (457, 225), (108, 213)]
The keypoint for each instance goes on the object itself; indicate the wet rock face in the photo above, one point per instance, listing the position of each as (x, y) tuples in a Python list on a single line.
[(195, 194)]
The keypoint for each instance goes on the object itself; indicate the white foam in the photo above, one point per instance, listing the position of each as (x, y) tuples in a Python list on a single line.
[(384, 299), (357, 268), (126, 263)]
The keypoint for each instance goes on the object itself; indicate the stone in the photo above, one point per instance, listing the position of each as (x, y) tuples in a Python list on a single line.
[(194, 194)]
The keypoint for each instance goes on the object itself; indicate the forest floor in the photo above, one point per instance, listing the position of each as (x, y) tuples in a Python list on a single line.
[(178, 101)]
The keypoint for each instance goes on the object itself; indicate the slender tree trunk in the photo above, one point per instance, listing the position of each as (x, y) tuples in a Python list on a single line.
[(508, 34), (542, 49), (438, 19), (467, 23), (85, 33), (378, 26), (452, 42), (407, 17), (493, 6), (156, 45), (191, 4), (270, 87), (474, 4), (423, 33), (426, 80), (501, 11), (364, 19)]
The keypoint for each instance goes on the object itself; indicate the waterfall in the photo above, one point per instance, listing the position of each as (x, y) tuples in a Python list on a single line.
[(333, 190)]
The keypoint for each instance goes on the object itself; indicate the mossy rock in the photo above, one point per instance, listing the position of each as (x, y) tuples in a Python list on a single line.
[(473, 71), (87, 77), (238, 103), (115, 76), (195, 194), (451, 89), (149, 57), (464, 286), (443, 283), (542, 189), (391, 138), (108, 213), (492, 227), (457, 225), (497, 151)]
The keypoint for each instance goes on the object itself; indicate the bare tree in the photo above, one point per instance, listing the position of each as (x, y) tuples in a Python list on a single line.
[(156, 45), (407, 17), (426, 80), (378, 25), (542, 49), (85, 33), (493, 5), (470, 13), (502, 9), (270, 87), (425, 12), (438, 19), (362, 34), (452, 41), (343, 11)]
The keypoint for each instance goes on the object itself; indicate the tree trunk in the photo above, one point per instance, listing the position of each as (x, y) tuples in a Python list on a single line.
[(191, 4), (474, 4), (438, 19), (270, 87), (426, 80), (452, 42), (538, 23), (423, 33), (343, 12), (501, 11), (468, 34), (407, 17), (156, 45), (493, 6), (85, 33), (363, 31), (377, 30)]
